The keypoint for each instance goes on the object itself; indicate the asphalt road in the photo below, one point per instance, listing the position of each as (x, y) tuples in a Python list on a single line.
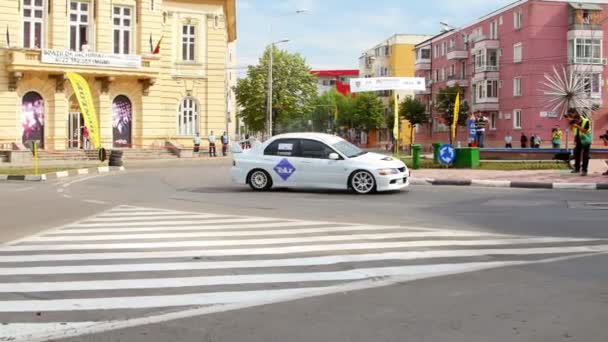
[(547, 282)]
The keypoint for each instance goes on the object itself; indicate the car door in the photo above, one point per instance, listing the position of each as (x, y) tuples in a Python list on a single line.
[(279, 161), (317, 169)]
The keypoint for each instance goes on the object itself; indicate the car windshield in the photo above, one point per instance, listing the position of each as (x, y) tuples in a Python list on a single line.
[(348, 149)]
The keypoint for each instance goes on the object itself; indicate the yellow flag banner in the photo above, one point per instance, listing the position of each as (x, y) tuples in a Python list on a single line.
[(87, 107), (456, 114)]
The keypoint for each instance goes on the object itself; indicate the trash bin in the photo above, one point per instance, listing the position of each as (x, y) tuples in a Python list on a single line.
[(467, 158), (416, 149), (436, 147)]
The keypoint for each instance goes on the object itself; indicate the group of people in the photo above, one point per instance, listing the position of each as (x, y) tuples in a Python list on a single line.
[(211, 139), (535, 141)]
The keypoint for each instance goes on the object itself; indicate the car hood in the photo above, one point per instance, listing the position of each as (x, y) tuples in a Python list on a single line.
[(379, 160)]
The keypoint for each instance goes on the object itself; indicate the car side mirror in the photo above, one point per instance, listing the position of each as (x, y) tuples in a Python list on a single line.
[(334, 156)]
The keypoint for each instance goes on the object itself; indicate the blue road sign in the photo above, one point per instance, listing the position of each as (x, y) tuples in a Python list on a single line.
[(284, 169), (447, 154)]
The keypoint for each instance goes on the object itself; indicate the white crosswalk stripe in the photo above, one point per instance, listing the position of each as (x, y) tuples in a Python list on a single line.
[(127, 266)]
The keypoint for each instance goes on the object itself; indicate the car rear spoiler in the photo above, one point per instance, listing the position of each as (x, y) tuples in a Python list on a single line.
[(242, 146)]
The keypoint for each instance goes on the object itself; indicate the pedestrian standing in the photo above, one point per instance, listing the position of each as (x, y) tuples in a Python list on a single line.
[(556, 137), (197, 142), (536, 140), (581, 128), (523, 140), (508, 141), (480, 127), (211, 139), (225, 141)]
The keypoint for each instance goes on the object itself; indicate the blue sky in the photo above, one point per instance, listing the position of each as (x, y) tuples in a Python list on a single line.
[(335, 32)]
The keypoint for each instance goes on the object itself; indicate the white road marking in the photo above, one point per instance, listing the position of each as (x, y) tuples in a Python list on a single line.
[(278, 241), (150, 236), (295, 262), (94, 201), (166, 222), (143, 218), (25, 331)]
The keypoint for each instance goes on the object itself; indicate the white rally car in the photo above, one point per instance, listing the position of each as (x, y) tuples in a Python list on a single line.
[(314, 160)]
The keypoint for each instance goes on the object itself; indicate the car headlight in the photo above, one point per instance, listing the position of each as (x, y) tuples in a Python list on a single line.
[(388, 172)]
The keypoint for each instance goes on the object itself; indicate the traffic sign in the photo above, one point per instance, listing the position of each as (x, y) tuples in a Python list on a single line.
[(472, 130), (447, 154)]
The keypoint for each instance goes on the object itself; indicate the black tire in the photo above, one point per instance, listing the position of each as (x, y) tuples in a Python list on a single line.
[(116, 163), (259, 180), (362, 182)]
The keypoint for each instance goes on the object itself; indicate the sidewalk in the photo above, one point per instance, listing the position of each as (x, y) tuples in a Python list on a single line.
[(596, 168)]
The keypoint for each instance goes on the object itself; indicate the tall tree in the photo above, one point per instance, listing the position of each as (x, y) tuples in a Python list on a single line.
[(445, 105), (367, 112), (293, 90), (331, 109), (415, 112)]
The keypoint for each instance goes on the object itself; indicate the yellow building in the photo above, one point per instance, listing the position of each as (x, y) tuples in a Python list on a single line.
[(142, 98), (393, 57)]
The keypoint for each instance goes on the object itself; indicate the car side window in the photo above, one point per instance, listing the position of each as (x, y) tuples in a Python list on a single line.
[(283, 147), (314, 149)]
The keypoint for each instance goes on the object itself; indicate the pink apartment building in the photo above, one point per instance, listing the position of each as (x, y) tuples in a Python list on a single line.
[(501, 59)]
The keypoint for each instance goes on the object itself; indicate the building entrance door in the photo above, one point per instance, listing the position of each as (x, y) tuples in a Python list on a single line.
[(76, 138)]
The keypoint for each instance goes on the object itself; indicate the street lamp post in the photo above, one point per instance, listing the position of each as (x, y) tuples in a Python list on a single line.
[(270, 62)]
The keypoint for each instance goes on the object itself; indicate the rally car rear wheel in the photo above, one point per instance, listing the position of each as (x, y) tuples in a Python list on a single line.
[(259, 180)]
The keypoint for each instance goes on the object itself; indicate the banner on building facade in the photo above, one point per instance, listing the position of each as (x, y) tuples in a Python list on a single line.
[(87, 107), (358, 85), (96, 59)]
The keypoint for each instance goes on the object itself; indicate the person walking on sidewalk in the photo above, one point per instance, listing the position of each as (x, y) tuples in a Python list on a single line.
[(225, 141), (211, 139), (581, 128), (197, 142)]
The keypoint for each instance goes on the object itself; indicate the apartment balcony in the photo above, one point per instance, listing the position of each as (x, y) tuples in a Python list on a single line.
[(488, 72), (457, 80), (457, 54), (485, 43), (486, 104), (588, 61), (423, 64)]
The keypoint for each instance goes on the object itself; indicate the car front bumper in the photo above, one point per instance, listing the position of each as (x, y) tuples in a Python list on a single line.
[(392, 182)]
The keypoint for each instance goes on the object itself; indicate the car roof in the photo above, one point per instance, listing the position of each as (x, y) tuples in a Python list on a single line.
[(327, 138)]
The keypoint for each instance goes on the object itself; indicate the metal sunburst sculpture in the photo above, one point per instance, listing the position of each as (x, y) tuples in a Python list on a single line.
[(567, 90)]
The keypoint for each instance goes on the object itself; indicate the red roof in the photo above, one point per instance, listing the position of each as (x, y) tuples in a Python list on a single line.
[(335, 73)]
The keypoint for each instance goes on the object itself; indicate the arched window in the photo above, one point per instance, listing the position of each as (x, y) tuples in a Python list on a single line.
[(188, 117), (32, 119)]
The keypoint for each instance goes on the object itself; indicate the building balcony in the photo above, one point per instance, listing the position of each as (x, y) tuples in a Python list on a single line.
[(457, 80), (486, 73), (457, 54), (484, 43), (486, 104), (423, 65), (587, 61)]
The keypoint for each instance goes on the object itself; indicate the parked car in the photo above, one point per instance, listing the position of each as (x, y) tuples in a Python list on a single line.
[(315, 160)]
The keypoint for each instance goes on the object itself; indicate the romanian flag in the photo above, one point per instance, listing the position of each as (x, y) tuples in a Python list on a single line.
[(157, 48), (456, 114)]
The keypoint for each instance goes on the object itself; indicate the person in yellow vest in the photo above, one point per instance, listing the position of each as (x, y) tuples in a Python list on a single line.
[(581, 129)]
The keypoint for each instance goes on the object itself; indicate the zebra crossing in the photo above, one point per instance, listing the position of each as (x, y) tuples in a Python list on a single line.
[(132, 266)]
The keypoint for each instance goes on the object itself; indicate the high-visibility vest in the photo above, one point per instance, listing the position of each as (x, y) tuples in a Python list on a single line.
[(583, 123)]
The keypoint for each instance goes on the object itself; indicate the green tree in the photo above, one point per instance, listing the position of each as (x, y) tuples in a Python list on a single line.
[(415, 112), (367, 112), (330, 110), (445, 105), (294, 89)]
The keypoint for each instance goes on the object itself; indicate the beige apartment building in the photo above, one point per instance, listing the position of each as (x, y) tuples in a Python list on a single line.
[(157, 70)]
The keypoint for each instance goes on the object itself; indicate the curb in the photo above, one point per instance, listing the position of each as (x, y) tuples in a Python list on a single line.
[(61, 174), (509, 184)]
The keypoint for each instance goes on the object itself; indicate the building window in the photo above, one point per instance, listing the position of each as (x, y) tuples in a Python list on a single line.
[(517, 20), (437, 75), (452, 70), (188, 117), (592, 84), (79, 25), (443, 74), (517, 119), (517, 53), (444, 48), (425, 53), (463, 70), (494, 30), (493, 120), (188, 42), (33, 23), (517, 86), (122, 30), (487, 89), (585, 51), (436, 54), (486, 60)]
